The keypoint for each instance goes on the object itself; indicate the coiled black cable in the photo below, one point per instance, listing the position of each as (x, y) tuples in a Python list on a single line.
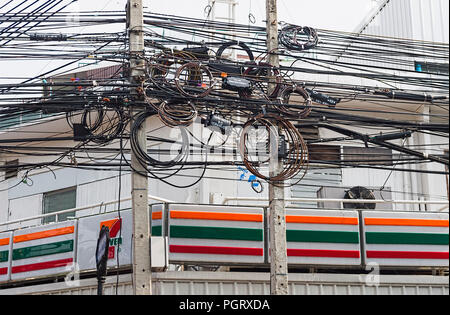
[(284, 98), (141, 153), (298, 38)]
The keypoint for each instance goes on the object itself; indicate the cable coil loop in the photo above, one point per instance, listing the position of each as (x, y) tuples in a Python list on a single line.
[(274, 128), (284, 99)]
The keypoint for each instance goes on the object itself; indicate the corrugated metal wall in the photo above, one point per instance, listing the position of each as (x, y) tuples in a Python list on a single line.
[(430, 20), (426, 20), (418, 20), (241, 283)]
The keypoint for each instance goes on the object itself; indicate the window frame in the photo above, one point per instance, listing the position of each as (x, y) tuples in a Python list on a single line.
[(56, 218)]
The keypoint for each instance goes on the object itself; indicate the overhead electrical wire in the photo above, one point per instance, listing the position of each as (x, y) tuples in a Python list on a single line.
[(192, 76)]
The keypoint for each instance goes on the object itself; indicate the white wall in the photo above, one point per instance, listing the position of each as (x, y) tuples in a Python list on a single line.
[(28, 206), (3, 200), (426, 20)]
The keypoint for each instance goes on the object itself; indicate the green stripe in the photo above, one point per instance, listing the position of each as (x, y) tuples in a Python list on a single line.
[(157, 230), (4, 256), (43, 250), (322, 236), (406, 238), (221, 233)]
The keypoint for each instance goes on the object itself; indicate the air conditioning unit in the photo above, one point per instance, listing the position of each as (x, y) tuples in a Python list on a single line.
[(356, 192)]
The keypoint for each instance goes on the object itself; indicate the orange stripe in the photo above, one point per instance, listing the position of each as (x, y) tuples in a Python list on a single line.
[(44, 234), (108, 223), (406, 222), (321, 220), (4, 241), (216, 216), (157, 215)]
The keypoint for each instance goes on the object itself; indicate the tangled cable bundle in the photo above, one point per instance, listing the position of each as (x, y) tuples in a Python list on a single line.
[(242, 45), (225, 88), (284, 98), (262, 75), (174, 114), (298, 38), (222, 64), (103, 123), (162, 69), (160, 66), (275, 128), (112, 124), (194, 80), (142, 154)]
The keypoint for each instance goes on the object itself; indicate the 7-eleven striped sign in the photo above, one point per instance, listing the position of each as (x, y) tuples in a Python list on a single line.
[(120, 234), (114, 226)]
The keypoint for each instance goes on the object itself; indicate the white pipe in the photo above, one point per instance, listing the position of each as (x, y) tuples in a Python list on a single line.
[(437, 202), (79, 209), (160, 199)]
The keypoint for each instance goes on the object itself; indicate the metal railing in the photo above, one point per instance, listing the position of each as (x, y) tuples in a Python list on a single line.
[(425, 202), (226, 202), (56, 213)]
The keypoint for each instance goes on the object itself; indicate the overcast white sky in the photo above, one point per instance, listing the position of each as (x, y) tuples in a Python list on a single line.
[(340, 15)]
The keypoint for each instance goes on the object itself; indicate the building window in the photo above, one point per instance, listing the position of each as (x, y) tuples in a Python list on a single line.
[(10, 121), (57, 201), (12, 169)]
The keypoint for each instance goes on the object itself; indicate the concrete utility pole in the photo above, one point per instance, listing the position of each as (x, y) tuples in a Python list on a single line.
[(142, 272), (277, 228)]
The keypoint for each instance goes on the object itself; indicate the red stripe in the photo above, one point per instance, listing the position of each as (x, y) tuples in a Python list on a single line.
[(406, 255), (323, 253), (115, 228), (3, 271), (216, 250), (111, 252), (42, 265)]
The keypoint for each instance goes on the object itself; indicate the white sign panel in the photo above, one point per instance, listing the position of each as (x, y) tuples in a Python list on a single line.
[(120, 239)]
